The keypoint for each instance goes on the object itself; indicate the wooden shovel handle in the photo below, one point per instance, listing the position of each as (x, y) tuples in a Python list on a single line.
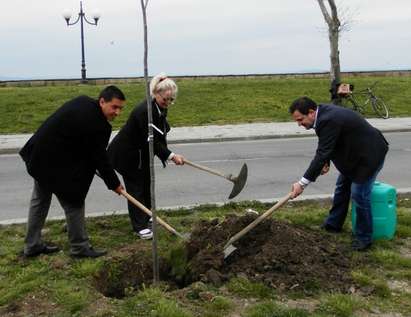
[(148, 212), (266, 214), (206, 169)]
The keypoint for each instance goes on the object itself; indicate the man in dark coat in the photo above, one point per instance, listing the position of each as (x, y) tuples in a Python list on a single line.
[(358, 152), (62, 157), (129, 150)]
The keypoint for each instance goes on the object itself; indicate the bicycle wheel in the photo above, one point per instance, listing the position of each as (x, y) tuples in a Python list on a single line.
[(380, 107), (350, 102)]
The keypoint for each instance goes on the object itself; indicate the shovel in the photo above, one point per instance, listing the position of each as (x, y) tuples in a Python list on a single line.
[(239, 181), (148, 212), (229, 248)]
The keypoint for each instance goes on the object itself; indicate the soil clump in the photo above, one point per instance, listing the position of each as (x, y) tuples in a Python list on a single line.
[(282, 255)]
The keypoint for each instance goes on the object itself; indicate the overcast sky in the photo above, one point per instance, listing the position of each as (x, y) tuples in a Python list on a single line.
[(199, 37)]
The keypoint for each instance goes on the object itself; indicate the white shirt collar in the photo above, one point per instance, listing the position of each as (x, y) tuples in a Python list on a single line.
[(315, 120), (158, 107)]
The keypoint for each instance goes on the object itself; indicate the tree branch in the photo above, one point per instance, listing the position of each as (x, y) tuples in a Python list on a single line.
[(334, 13), (324, 11)]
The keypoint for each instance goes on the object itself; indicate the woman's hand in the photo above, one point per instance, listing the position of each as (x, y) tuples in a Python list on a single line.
[(178, 159)]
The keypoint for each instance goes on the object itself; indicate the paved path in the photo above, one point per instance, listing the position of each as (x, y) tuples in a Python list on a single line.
[(214, 133)]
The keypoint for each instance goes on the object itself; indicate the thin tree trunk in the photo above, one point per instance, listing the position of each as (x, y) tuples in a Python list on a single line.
[(334, 28), (156, 274), (333, 35), (335, 73)]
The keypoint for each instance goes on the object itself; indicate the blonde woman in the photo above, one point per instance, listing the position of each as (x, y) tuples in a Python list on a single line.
[(129, 150)]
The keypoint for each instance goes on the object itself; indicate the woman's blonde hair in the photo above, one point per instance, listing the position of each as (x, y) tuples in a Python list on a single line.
[(161, 83)]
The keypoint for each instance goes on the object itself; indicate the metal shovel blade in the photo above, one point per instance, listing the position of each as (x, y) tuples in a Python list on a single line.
[(239, 181), (186, 236), (228, 250)]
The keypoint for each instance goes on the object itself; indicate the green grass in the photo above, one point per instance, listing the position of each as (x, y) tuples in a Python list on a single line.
[(152, 302), (60, 286), (242, 287), (200, 101), (272, 309), (340, 305)]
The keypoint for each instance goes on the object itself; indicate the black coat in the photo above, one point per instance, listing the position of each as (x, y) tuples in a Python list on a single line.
[(129, 150), (354, 146), (65, 152)]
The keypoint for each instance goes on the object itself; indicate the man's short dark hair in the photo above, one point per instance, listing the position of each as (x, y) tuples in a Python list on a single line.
[(111, 92), (303, 105)]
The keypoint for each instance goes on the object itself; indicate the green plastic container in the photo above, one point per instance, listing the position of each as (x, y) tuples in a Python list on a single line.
[(384, 211)]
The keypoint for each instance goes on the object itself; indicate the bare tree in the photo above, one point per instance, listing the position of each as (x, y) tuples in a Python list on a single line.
[(334, 28), (337, 21), (156, 274)]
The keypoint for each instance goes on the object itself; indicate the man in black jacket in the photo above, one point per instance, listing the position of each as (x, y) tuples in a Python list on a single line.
[(62, 157), (129, 150), (358, 152)]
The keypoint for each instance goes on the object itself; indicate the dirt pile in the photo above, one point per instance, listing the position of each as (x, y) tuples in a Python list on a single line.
[(279, 254)]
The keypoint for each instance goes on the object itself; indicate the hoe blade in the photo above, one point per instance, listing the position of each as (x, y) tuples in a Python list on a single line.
[(239, 181)]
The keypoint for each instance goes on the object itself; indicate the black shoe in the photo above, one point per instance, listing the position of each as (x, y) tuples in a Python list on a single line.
[(358, 245), (330, 229), (89, 253), (45, 249)]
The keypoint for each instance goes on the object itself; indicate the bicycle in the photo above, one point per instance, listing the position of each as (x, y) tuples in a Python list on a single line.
[(358, 101)]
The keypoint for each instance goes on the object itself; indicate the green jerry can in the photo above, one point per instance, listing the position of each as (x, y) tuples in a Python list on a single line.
[(384, 211)]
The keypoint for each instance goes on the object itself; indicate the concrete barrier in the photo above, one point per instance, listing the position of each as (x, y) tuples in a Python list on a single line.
[(130, 80)]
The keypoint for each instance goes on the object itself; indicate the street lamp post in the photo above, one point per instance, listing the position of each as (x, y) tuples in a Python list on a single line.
[(81, 17)]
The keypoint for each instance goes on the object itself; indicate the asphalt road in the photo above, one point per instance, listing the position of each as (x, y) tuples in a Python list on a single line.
[(273, 166)]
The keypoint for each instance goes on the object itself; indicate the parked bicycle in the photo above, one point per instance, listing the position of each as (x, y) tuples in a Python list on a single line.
[(359, 101)]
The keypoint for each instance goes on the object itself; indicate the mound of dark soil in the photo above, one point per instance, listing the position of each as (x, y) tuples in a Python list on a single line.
[(281, 255)]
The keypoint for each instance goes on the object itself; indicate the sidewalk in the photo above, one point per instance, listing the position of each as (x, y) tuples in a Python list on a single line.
[(215, 133)]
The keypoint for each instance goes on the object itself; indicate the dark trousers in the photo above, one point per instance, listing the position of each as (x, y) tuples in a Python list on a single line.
[(138, 186), (38, 211), (360, 193)]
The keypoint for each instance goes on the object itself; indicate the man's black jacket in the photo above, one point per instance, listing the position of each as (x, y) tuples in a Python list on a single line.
[(68, 148), (129, 150), (354, 146)]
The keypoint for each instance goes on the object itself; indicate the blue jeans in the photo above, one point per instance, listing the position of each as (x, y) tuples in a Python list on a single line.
[(360, 193)]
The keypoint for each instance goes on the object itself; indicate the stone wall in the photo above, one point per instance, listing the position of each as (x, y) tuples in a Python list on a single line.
[(130, 80)]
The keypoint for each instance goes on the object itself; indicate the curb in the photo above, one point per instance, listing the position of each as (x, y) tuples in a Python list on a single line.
[(322, 197), (302, 134), (264, 137)]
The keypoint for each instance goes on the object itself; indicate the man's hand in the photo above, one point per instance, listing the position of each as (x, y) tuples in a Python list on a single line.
[(119, 189), (178, 159), (296, 190), (325, 169)]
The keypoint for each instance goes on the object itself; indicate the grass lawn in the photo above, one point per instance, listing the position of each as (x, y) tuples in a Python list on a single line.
[(200, 101), (60, 286)]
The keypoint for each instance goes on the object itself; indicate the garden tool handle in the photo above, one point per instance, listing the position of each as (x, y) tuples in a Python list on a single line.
[(253, 224), (206, 169), (148, 212)]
